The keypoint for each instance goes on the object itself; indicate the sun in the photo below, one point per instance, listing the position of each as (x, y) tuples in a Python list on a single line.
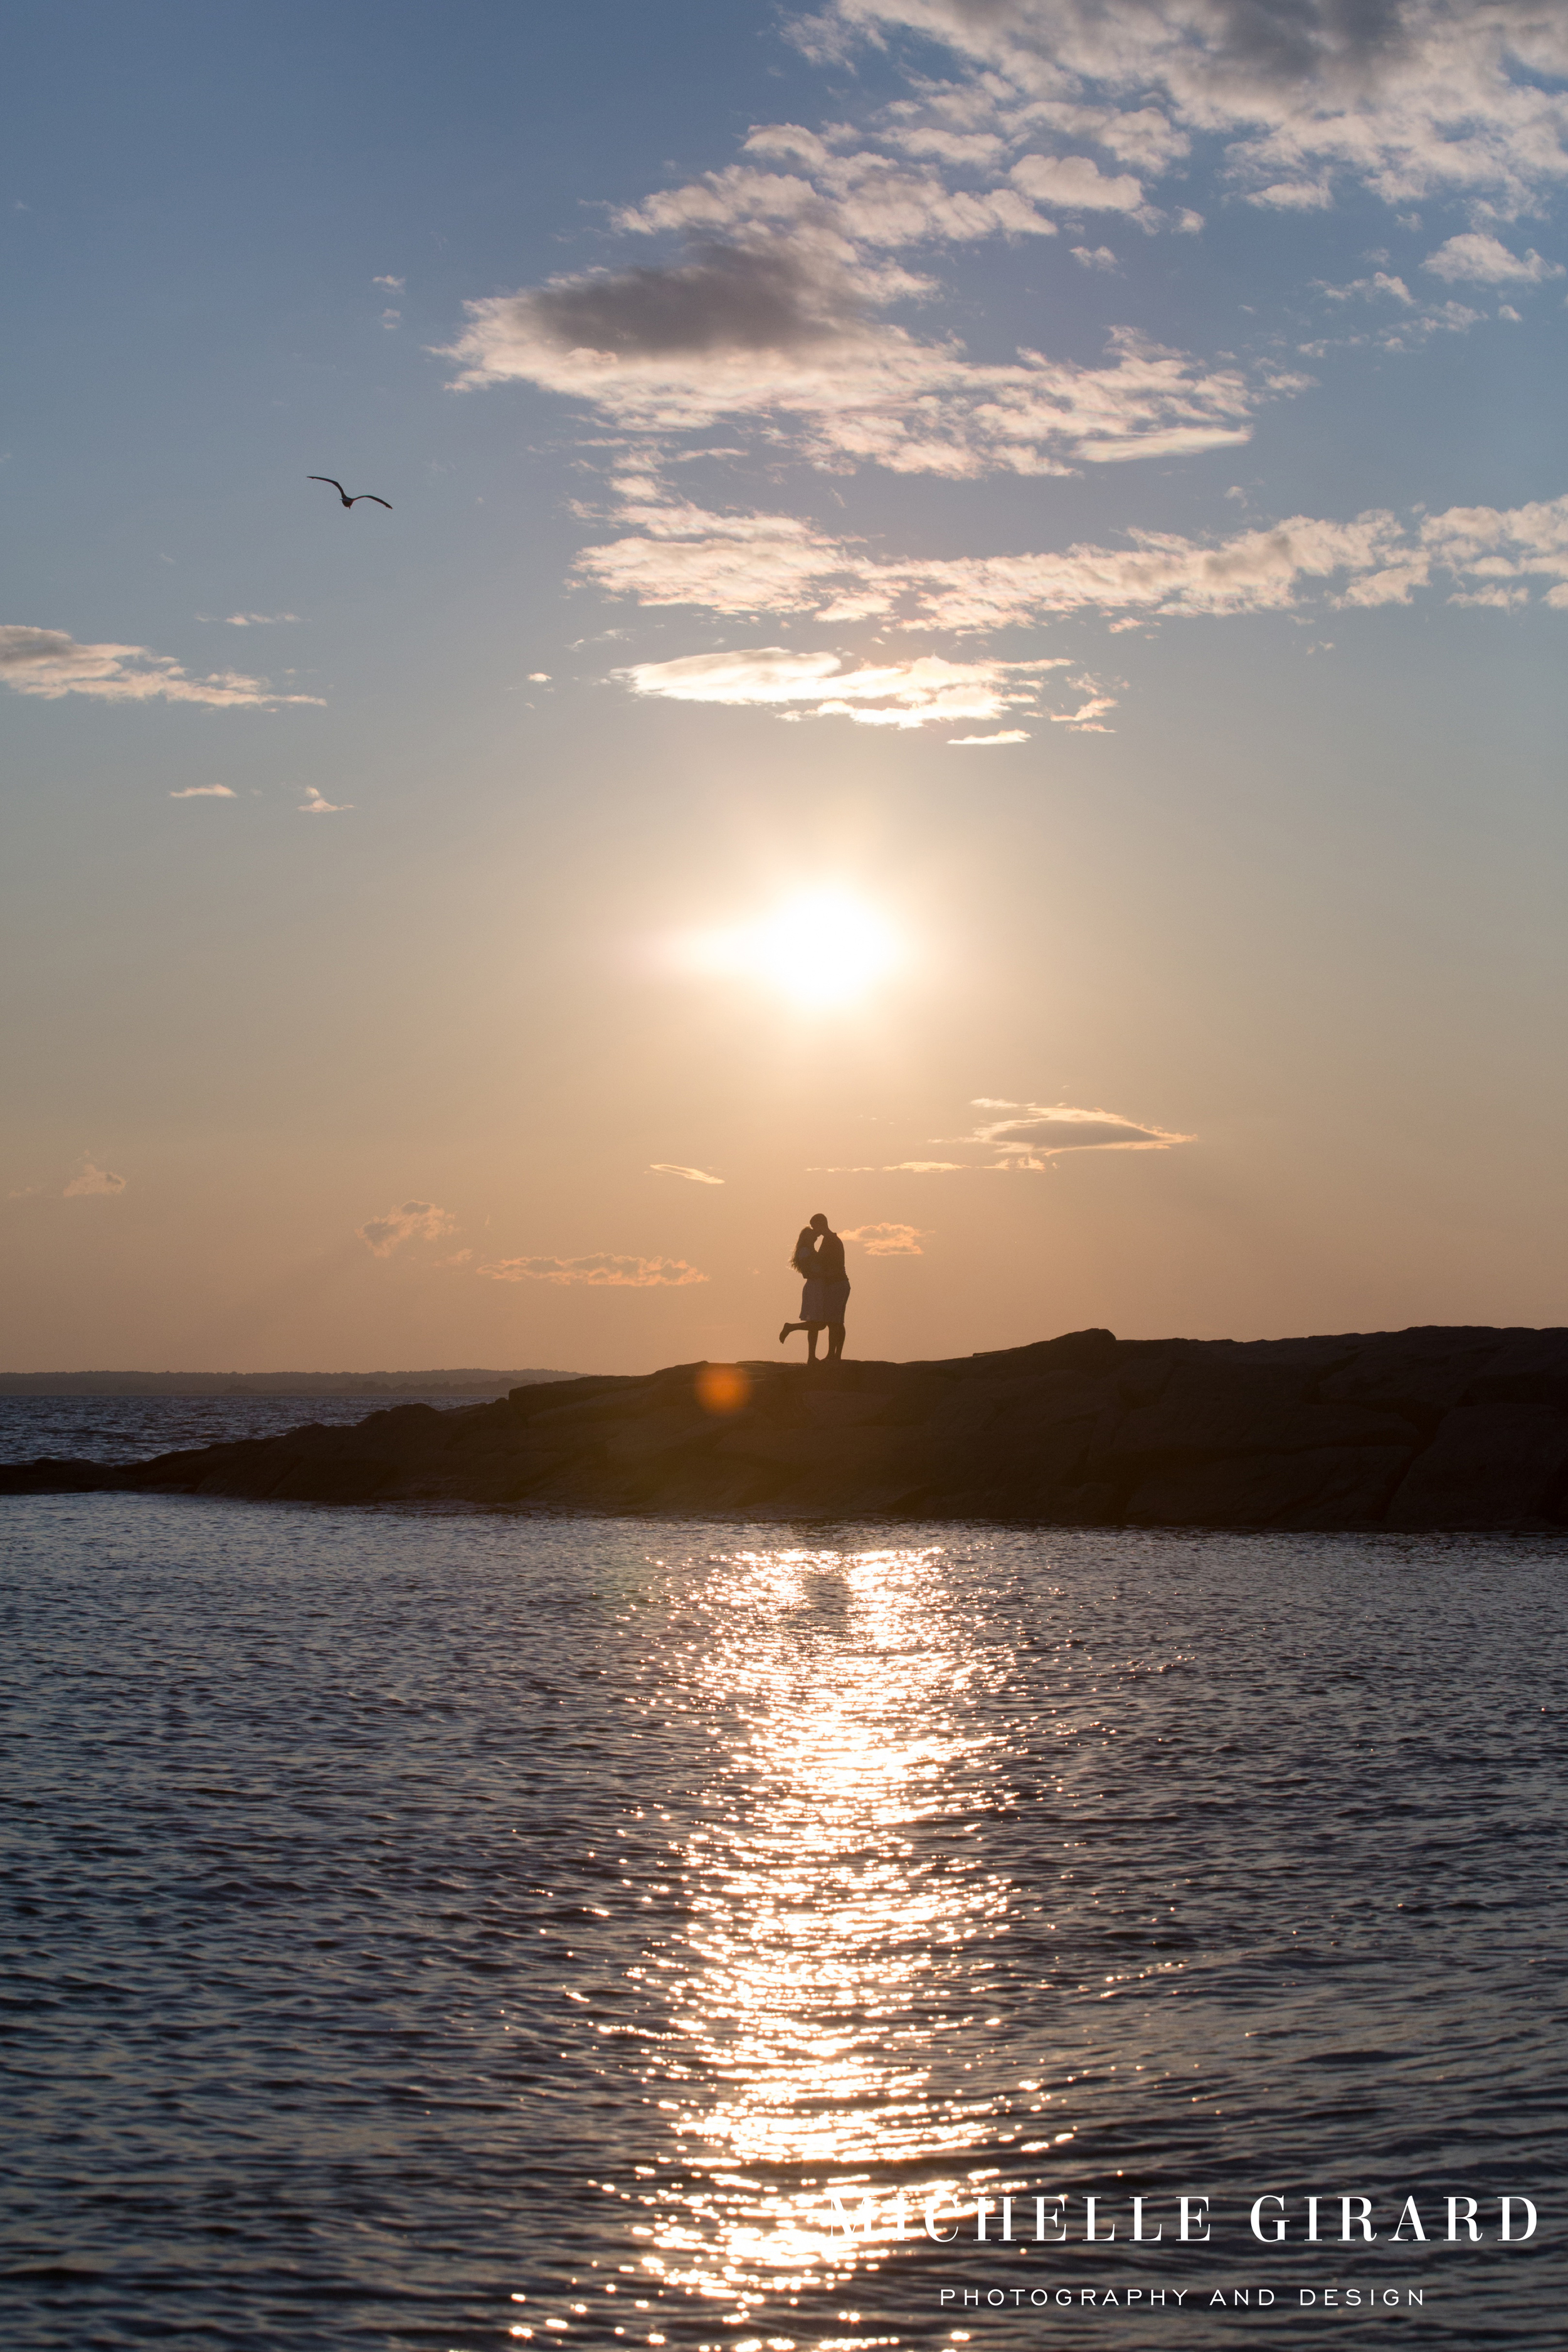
[(819, 948)]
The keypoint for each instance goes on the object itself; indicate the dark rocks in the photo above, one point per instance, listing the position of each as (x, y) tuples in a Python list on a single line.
[(1321, 1487), (1413, 1430), (1489, 1465), (50, 1476)]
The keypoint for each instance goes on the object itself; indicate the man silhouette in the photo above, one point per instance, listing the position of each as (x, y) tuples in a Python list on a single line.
[(835, 1284)]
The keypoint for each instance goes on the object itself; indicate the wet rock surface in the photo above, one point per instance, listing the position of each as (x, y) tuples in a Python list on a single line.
[(1411, 1431)]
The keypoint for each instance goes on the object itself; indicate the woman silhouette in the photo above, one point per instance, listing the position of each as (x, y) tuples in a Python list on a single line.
[(803, 1257)]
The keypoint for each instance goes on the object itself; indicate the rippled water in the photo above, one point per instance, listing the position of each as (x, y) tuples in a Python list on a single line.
[(456, 1930), (133, 1428)]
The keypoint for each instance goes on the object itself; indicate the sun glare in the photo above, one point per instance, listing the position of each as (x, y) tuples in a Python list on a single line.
[(820, 949)]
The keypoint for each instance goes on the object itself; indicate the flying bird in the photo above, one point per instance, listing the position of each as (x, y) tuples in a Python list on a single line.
[(357, 496)]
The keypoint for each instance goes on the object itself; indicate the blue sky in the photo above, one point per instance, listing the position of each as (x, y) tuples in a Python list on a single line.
[(969, 626)]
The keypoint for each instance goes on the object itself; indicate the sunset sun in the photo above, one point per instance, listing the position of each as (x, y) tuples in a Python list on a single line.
[(818, 949)]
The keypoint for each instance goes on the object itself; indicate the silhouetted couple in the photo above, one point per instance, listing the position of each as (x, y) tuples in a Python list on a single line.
[(819, 1260)]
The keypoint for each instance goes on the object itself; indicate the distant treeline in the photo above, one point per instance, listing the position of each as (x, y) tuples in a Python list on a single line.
[(465, 1381)]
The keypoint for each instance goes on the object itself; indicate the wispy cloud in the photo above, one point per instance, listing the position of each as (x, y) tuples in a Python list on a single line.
[(419, 1220), (49, 663), (393, 285), (693, 1175), (729, 565), (1029, 1134), (257, 620), (888, 1241), (916, 693), (91, 1182), (315, 804), (1380, 283), (1294, 195), (1026, 1136), (602, 1272), (203, 793), (983, 742)]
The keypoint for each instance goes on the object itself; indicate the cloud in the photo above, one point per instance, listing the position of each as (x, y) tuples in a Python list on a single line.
[(1028, 1136), (49, 663), (977, 742), (1406, 97), (683, 554), (1085, 719), (694, 1175), (1500, 599), (731, 300), (770, 302), (849, 207), (393, 285), (759, 562), (917, 693), (775, 313), (1368, 288), (315, 805), (92, 1181), (1030, 1133), (600, 1273), (1075, 183), (773, 330), (1294, 196), (203, 793), (257, 620), (1480, 260), (888, 1241), (419, 1220)]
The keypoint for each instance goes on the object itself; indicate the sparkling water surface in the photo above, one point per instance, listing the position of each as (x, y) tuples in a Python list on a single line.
[(456, 1930)]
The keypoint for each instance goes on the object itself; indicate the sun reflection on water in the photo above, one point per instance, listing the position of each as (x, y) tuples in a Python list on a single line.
[(835, 1905)]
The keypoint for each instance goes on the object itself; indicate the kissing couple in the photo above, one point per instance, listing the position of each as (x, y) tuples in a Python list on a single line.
[(818, 1258)]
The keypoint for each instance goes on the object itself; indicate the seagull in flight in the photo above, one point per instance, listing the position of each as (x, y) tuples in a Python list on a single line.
[(357, 496)]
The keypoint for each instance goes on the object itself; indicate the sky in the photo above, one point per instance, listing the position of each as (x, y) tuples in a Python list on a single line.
[(968, 634)]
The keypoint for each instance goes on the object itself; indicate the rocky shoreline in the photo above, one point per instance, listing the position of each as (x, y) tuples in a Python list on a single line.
[(1431, 1429)]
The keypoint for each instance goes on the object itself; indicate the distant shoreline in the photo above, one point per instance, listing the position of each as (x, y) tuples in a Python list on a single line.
[(462, 1380)]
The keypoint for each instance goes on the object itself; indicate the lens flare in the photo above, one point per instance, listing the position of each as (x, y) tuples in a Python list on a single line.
[(723, 1388)]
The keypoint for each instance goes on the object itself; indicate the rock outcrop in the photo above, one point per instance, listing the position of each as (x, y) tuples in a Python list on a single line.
[(1408, 1431)]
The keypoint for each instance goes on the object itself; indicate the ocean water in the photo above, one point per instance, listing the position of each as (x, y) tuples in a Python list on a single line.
[(131, 1428), (444, 1929)]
